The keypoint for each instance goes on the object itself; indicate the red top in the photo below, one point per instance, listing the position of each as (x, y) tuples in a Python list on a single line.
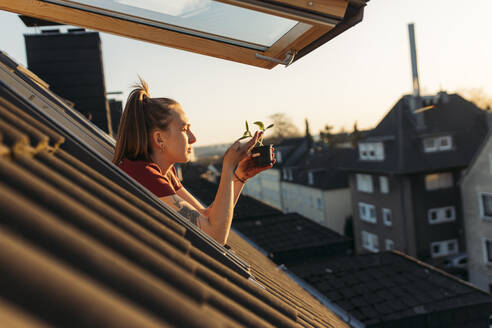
[(150, 176)]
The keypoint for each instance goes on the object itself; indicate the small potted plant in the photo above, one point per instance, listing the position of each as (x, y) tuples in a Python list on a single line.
[(265, 156)]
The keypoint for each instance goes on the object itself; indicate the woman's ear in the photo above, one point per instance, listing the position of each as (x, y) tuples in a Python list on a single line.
[(157, 138)]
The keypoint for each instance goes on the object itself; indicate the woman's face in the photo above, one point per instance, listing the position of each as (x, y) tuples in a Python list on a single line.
[(178, 138)]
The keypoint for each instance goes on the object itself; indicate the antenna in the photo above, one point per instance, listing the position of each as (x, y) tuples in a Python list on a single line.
[(413, 54)]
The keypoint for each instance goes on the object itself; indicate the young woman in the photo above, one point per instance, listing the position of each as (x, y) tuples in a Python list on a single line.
[(154, 133)]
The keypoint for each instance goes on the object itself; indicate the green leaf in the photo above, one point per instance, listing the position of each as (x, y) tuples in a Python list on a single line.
[(247, 126), (270, 126), (243, 137), (246, 134), (260, 125)]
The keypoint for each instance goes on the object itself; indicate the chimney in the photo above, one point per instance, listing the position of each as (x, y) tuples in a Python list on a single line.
[(413, 54)]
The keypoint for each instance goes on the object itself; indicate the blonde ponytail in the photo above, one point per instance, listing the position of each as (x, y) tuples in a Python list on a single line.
[(142, 114)]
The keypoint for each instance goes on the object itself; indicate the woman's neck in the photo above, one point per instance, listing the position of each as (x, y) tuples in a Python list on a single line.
[(164, 165)]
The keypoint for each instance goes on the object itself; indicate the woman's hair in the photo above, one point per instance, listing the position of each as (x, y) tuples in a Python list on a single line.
[(141, 116)]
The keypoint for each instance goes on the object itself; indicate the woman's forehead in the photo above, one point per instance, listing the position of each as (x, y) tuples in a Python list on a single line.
[(180, 115)]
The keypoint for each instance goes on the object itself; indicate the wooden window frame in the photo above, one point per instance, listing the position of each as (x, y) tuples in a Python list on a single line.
[(301, 35)]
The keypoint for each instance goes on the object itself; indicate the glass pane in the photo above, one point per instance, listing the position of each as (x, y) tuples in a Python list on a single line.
[(205, 18), (487, 205)]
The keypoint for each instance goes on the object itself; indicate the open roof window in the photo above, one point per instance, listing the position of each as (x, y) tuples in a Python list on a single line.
[(260, 33)]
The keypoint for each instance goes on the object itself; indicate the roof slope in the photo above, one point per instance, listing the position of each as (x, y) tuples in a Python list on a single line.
[(79, 249), (325, 165), (391, 289)]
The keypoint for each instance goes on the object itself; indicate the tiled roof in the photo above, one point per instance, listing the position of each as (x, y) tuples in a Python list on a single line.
[(286, 237), (403, 139), (290, 238), (83, 245), (326, 167), (246, 207), (391, 289)]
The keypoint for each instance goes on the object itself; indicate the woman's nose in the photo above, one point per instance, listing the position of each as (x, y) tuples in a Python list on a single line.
[(191, 138)]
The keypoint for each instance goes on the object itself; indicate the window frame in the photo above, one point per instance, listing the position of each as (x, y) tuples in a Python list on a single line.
[(386, 184), (441, 178), (444, 244), (387, 242), (373, 239), (483, 216), (384, 212), (485, 252), (367, 208), (436, 143), (313, 23), (441, 218), (364, 182)]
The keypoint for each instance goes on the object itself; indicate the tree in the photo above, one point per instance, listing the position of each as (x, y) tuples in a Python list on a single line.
[(478, 97), (282, 128), (356, 135)]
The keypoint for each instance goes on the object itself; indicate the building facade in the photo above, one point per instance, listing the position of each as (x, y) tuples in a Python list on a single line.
[(404, 187), (476, 192)]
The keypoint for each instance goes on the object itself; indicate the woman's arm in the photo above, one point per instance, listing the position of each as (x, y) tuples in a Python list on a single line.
[(218, 222)]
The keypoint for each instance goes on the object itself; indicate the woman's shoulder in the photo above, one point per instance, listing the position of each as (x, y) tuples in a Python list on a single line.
[(139, 166)]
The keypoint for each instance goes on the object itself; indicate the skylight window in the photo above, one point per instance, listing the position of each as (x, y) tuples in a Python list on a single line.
[(203, 18), (253, 32)]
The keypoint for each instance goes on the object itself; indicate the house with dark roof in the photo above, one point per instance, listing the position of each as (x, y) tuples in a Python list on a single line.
[(476, 194), (403, 184), (392, 289), (266, 186), (318, 189)]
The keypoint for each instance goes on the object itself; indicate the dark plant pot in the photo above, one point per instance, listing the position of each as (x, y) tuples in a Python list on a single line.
[(266, 155)]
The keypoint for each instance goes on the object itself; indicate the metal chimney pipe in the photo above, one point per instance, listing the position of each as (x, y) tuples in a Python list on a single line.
[(413, 54)]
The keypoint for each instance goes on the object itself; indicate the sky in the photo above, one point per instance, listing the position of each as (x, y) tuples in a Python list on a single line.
[(358, 76)]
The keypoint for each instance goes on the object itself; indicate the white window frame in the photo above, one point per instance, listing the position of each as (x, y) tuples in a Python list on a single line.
[(389, 245), (384, 184), (385, 212), (364, 183), (373, 151), (370, 241), (483, 216), (441, 180), (310, 178), (366, 217), (444, 248), (485, 255), (436, 144), (441, 215)]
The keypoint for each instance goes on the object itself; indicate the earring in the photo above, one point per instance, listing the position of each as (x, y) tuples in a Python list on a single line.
[(162, 148)]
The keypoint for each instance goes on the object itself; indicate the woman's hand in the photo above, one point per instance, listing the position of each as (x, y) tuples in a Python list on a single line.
[(238, 152), (247, 168)]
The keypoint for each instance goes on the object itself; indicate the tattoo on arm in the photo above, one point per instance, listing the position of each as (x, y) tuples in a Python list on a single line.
[(187, 212)]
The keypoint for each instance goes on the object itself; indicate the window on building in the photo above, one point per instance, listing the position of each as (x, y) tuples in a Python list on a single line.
[(485, 206), (383, 184), (367, 212), (441, 214), (433, 144), (370, 241), (284, 174), (318, 203), (488, 251), (444, 248), (387, 217), (438, 181), (364, 182), (371, 151), (389, 245), (278, 156), (310, 178)]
